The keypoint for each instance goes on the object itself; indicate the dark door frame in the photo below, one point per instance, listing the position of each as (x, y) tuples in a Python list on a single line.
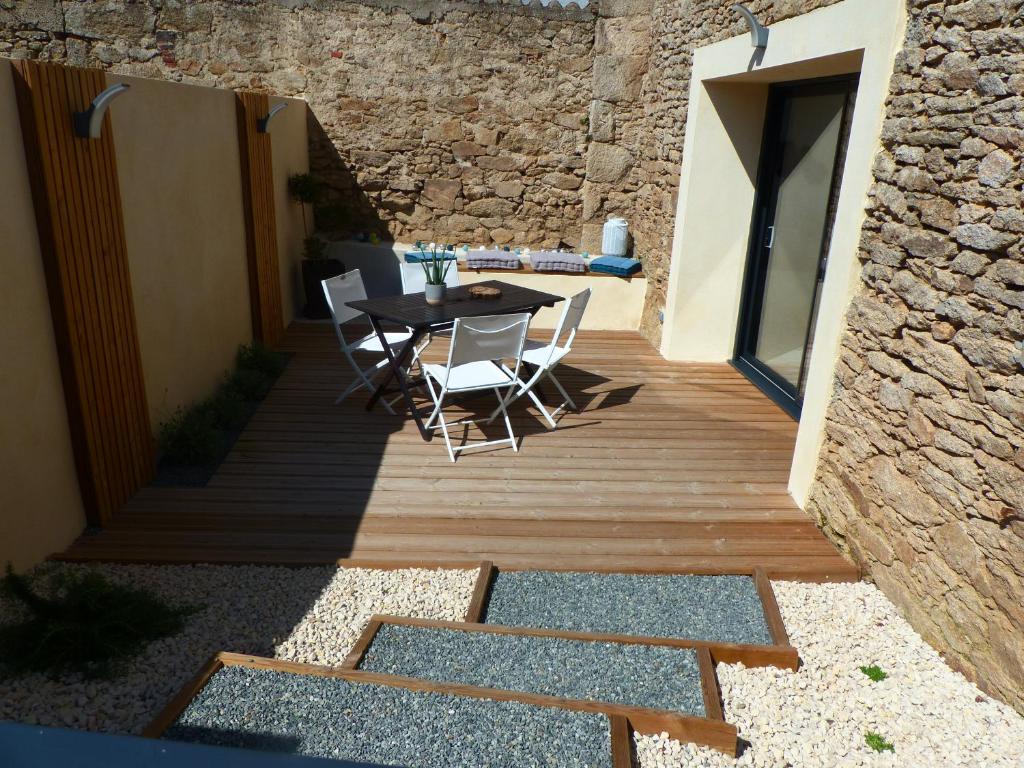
[(784, 394)]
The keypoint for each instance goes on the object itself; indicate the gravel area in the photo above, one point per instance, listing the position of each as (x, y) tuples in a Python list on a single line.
[(329, 717), (636, 675), (817, 717), (719, 608), (300, 614)]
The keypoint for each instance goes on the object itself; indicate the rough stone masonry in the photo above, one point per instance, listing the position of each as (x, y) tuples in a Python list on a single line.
[(492, 122)]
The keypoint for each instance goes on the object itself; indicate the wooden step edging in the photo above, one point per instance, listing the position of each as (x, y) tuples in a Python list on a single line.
[(620, 726), (710, 730), (780, 653)]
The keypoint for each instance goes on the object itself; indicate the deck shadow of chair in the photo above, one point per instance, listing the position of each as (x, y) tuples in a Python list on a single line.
[(338, 291)]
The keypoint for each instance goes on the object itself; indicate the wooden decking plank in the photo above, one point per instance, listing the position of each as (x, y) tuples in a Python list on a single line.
[(669, 465)]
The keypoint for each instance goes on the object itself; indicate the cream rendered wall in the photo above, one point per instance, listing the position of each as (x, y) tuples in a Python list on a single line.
[(178, 165), (717, 188), (615, 304), (40, 506), (290, 148)]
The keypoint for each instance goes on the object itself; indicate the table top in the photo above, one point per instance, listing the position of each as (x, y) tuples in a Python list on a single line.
[(413, 311)]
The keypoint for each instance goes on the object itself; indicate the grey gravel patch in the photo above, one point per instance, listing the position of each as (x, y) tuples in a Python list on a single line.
[(723, 609), (634, 675), (330, 717)]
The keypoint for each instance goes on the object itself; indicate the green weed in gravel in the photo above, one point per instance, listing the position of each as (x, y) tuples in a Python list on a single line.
[(878, 743), (81, 623), (876, 673)]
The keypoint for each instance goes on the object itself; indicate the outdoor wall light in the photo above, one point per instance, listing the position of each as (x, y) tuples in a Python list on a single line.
[(263, 124), (758, 32), (89, 124)]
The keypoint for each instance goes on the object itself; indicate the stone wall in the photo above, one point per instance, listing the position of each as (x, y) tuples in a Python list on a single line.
[(464, 121), (921, 478)]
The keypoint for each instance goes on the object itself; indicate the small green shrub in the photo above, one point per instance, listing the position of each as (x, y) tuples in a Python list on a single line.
[(257, 357), (251, 385), (875, 673), (191, 437), (878, 743), (314, 249), (228, 407), (85, 624), (304, 188)]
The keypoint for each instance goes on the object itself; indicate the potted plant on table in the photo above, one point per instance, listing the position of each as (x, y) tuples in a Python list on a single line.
[(436, 262), (306, 190)]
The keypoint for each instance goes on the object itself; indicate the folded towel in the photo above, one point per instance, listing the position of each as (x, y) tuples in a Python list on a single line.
[(556, 261), (415, 257), (615, 265)]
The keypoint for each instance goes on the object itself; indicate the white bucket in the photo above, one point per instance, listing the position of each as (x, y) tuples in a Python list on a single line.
[(614, 237)]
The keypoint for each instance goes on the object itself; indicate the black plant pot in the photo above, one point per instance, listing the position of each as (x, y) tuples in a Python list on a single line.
[(313, 271)]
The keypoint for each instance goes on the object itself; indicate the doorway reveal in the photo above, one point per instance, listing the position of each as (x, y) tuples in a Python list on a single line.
[(807, 129)]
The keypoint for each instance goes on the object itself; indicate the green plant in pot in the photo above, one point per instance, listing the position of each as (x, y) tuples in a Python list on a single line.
[(308, 191), (436, 262)]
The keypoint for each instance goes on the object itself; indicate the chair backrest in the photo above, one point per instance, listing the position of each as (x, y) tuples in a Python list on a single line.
[(341, 289), (491, 337), (570, 320), (337, 291), (414, 279)]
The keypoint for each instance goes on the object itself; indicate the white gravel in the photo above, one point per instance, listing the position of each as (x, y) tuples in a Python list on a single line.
[(814, 717), (299, 614), (818, 716)]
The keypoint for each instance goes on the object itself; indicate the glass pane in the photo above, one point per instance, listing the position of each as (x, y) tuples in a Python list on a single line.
[(810, 133)]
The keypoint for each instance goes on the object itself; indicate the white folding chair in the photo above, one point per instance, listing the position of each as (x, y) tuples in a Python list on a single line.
[(545, 357), (349, 287), (478, 344)]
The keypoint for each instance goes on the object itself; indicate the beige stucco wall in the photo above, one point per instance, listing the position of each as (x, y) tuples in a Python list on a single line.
[(290, 149), (178, 164), (40, 507), (615, 303)]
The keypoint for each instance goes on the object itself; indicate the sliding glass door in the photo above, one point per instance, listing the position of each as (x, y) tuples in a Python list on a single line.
[(806, 132)]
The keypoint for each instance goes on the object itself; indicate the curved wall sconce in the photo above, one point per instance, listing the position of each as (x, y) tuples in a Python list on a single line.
[(263, 124), (89, 124), (758, 32)]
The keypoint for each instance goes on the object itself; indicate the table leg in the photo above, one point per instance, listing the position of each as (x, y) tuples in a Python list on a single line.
[(398, 375)]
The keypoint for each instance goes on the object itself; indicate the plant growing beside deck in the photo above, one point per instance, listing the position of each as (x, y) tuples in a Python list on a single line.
[(198, 436), (81, 623)]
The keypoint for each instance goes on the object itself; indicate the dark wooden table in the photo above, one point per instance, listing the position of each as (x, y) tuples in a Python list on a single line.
[(411, 310)]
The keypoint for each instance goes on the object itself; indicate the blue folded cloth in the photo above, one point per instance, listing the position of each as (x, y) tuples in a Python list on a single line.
[(615, 265), (415, 257)]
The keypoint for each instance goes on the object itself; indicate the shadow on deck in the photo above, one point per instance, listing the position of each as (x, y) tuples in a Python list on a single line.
[(669, 465)]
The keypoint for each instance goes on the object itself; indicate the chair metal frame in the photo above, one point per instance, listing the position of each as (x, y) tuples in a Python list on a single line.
[(487, 340), (568, 325), (350, 287)]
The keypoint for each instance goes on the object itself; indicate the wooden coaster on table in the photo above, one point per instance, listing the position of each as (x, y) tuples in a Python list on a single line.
[(484, 292)]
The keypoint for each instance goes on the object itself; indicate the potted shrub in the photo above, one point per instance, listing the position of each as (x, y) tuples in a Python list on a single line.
[(436, 264), (307, 191)]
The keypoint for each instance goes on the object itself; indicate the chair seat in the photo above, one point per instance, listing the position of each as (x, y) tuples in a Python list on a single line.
[(371, 342), (538, 353), (479, 375)]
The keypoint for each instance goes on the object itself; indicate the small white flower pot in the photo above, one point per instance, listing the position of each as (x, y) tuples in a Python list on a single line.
[(434, 293)]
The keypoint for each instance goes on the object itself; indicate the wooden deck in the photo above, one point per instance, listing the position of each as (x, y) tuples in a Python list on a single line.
[(669, 466)]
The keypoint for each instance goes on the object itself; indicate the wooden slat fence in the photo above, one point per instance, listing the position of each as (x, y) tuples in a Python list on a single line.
[(260, 221), (81, 233)]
